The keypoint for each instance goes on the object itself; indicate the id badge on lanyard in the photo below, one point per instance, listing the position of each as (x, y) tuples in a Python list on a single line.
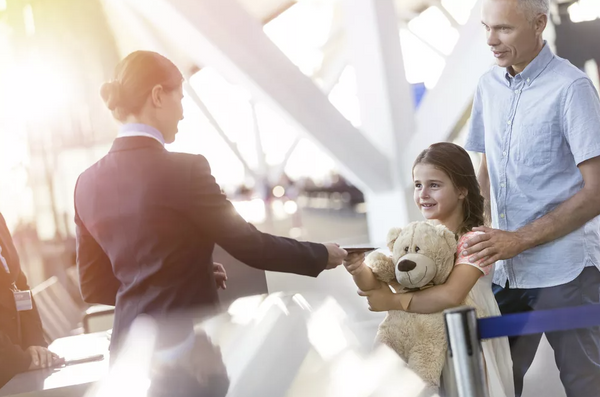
[(23, 300)]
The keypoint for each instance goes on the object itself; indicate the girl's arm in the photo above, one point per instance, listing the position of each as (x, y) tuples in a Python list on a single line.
[(450, 294), (432, 300), (362, 274)]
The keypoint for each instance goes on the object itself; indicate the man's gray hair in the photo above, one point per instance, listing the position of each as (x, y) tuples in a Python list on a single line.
[(533, 8)]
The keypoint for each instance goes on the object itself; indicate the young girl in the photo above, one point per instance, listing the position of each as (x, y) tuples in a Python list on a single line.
[(447, 191)]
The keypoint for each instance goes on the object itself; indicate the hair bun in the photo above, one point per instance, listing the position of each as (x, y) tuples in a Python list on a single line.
[(111, 94)]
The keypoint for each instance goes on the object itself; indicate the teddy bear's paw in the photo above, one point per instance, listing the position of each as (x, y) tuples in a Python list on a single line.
[(382, 266), (376, 256)]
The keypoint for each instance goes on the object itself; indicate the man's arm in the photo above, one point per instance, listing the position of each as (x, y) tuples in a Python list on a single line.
[(581, 128), (569, 216), (475, 142), (483, 177)]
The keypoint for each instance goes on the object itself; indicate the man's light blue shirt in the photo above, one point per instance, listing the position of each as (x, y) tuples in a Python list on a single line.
[(535, 129)]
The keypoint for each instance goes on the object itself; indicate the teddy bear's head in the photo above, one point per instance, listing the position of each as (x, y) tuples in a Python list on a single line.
[(422, 253)]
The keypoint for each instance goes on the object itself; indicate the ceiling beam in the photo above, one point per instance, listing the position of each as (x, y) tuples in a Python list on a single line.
[(222, 34), (443, 107)]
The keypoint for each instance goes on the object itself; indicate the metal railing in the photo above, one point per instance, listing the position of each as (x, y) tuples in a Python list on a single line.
[(465, 331)]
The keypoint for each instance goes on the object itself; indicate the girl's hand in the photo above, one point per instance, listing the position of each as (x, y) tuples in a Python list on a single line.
[(354, 262), (382, 299)]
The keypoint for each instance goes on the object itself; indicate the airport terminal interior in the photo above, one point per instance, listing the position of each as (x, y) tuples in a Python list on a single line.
[(310, 114)]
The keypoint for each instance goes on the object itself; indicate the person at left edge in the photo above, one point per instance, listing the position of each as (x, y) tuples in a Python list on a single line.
[(22, 344)]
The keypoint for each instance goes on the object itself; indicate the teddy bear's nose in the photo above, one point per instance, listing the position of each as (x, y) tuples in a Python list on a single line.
[(406, 265)]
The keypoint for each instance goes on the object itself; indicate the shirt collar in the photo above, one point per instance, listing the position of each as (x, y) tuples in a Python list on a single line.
[(534, 69), (3, 261), (135, 129)]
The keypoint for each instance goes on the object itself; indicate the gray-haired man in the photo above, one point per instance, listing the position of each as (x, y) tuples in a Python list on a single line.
[(536, 119)]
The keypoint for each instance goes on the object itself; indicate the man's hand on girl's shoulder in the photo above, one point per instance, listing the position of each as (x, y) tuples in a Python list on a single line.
[(492, 245)]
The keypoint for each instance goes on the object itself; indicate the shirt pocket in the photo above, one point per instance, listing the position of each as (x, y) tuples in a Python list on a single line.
[(535, 145)]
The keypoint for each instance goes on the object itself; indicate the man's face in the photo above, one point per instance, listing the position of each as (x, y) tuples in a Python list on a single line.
[(513, 38)]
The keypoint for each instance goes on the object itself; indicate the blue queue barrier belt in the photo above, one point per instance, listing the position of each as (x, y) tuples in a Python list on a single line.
[(536, 322)]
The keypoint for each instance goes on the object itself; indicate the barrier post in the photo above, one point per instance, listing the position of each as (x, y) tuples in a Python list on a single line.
[(464, 352)]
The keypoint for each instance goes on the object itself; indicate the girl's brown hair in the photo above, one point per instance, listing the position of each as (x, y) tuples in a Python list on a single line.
[(134, 78), (456, 163)]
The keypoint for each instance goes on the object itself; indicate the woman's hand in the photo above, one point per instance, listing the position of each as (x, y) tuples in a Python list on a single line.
[(354, 263), (335, 255), (220, 275)]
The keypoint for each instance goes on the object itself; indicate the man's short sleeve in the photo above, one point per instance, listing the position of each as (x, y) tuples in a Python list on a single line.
[(582, 120), (476, 137)]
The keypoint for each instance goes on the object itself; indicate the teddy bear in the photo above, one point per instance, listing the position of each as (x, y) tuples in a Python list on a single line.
[(423, 255)]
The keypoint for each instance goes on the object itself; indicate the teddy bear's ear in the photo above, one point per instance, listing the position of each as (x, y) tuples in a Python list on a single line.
[(392, 236), (448, 236)]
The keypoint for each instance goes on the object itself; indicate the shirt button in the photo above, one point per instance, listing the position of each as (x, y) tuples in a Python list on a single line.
[(509, 122), (502, 185), (528, 80), (502, 216), (503, 154), (517, 91)]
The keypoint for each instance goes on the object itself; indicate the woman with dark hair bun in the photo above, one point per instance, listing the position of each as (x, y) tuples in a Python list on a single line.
[(148, 219), (147, 87)]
